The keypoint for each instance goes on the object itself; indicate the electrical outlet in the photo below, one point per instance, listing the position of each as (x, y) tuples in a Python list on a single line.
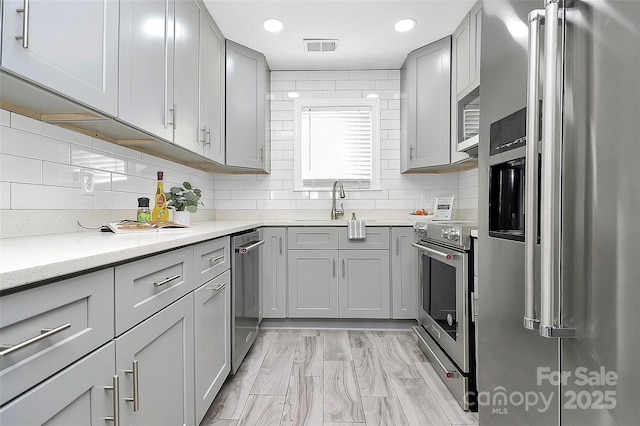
[(87, 182)]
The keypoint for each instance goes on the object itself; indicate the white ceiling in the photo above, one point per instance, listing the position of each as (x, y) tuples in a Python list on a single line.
[(367, 39)]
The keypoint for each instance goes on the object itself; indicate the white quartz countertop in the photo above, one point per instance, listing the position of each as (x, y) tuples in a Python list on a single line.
[(474, 233), (38, 258)]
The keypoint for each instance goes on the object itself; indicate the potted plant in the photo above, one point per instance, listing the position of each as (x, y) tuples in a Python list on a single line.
[(183, 200)]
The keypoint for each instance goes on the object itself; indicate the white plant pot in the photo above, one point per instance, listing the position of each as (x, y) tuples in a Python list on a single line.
[(183, 217)]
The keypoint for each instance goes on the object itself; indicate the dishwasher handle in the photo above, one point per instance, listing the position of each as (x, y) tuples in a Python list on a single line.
[(249, 247)]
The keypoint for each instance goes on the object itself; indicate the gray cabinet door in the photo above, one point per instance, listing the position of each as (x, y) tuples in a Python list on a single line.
[(146, 72), (245, 107), (364, 284), (186, 86), (460, 57), (426, 93), (72, 48), (212, 89), (475, 30), (313, 283), (404, 274), (212, 340), (78, 395), (80, 308), (162, 347), (274, 273)]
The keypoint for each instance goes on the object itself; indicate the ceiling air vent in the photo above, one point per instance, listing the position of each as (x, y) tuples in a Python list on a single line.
[(320, 45)]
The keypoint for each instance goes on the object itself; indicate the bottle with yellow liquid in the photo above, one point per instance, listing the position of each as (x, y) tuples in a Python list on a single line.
[(160, 211)]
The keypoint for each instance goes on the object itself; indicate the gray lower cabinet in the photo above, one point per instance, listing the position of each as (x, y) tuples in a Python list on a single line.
[(77, 395), (212, 314), (156, 358), (364, 284), (404, 274), (274, 273), (313, 283), (56, 34)]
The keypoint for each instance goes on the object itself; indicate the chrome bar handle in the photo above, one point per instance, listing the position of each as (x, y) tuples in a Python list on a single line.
[(218, 287), (44, 333), (250, 247), (204, 135), (445, 256), (262, 154), (136, 394), (208, 136), (116, 401), (280, 245), (166, 280), (334, 268), (25, 24), (174, 114), (449, 374), (551, 203), (397, 246), (536, 20), (410, 152), (343, 269), (215, 259)]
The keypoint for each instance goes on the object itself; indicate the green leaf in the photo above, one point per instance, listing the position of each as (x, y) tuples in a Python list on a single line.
[(175, 190), (198, 192), (192, 209), (187, 185), (189, 196)]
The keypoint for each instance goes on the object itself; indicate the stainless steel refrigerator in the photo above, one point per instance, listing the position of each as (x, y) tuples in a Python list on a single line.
[(559, 274)]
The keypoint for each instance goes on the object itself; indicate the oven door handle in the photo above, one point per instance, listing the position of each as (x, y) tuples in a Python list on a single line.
[(446, 256), (250, 247)]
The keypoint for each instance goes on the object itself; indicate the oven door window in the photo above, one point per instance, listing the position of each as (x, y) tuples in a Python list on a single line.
[(439, 294)]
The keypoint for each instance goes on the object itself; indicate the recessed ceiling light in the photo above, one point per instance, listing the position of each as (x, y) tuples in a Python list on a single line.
[(404, 25), (272, 25), (293, 95), (372, 95)]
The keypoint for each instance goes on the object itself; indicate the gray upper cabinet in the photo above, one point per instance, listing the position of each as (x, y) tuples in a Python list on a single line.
[(146, 66), (475, 31), (56, 35), (186, 61), (461, 63), (246, 93), (212, 89), (425, 107)]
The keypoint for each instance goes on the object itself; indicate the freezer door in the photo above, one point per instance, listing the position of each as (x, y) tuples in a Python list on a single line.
[(601, 236), (509, 356)]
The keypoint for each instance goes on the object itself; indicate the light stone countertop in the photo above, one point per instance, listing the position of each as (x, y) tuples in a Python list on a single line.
[(474, 233), (32, 259)]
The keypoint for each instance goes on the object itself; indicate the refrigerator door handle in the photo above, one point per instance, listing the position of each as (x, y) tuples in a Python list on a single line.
[(536, 21), (551, 200)]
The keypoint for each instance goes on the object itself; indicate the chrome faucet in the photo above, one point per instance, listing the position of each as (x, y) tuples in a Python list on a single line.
[(335, 213)]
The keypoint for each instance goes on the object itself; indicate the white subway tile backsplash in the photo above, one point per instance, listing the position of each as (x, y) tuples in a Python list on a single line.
[(263, 184), (393, 104), (468, 192), (468, 182), (390, 114), (282, 115), (368, 75), (31, 125), (346, 94), (96, 160), (276, 204), (111, 200), (316, 85), (356, 85), (249, 194), (5, 118), (40, 197), (281, 135), (288, 194), (124, 183), (313, 204), (283, 85), (390, 124), (282, 105), (20, 169), (289, 75), (54, 174), (328, 75), (395, 205), (388, 84), (359, 205), (5, 195), (30, 145), (236, 204), (394, 74)]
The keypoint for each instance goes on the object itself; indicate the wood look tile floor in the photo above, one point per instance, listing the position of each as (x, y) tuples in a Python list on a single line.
[(335, 377)]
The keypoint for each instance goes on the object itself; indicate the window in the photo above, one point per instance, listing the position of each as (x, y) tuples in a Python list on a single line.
[(336, 140)]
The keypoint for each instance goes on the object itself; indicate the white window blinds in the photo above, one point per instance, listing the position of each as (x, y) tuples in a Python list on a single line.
[(337, 144)]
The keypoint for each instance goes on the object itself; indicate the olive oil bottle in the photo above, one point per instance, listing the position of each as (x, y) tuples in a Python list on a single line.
[(160, 211)]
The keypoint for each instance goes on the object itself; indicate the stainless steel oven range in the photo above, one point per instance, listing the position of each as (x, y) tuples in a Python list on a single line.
[(446, 331)]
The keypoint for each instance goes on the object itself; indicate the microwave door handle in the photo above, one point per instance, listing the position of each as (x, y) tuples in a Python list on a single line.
[(536, 21), (551, 325)]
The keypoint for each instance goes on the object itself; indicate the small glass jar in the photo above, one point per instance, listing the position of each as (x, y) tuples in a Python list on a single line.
[(144, 214)]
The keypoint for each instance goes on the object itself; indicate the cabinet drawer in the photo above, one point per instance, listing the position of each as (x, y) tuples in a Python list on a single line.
[(76, 395), (312, 238), (211, 259), (377, 238), (146, 286), (81, 308)]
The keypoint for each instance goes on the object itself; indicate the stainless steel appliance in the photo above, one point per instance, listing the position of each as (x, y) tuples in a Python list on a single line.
[(245, 294), (575, 278), (446, 332)]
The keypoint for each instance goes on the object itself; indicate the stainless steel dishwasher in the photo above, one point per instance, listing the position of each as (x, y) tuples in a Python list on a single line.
[(245, 294)]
